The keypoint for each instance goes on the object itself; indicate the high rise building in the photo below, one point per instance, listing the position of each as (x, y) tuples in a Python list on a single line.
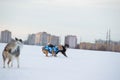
[(37, 38), (54, 40), (31, 39), (45, 38), (42, 38), (71, 41), (6, 36)]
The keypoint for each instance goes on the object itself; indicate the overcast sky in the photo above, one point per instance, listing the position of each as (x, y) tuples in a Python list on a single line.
[(87, 19)]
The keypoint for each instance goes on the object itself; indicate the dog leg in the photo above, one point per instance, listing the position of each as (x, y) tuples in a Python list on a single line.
[(53, 54), (4, 59), (4, 63), (9, 62), (18, 62), (46, 54), (64, 54)]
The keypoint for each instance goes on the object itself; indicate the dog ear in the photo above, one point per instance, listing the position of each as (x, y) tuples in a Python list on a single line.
[(16, 39), (20, 40)]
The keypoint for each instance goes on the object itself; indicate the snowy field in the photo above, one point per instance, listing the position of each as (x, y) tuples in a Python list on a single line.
[(80, 65)]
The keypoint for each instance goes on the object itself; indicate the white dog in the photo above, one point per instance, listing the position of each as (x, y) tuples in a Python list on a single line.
[(11, 50)]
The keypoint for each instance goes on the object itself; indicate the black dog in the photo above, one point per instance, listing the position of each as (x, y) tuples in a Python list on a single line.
[(63, 49)]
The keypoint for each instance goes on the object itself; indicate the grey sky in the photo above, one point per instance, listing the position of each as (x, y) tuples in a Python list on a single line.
[(88, 19)]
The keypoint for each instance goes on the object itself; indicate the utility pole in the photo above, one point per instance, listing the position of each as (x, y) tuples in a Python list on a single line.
[(108, 39)]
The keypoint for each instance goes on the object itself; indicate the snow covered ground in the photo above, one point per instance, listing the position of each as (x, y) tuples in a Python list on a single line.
[(80, 65)]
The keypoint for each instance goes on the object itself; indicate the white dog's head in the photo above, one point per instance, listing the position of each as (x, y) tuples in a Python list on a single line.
[(19, 42)]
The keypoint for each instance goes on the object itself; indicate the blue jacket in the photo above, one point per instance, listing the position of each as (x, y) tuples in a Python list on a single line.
[(50, 49)]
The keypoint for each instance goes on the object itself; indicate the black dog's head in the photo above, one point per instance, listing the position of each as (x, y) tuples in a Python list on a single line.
[(66, 46)]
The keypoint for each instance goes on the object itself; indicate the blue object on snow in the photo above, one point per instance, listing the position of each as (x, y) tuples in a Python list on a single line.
[(50, 49)]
